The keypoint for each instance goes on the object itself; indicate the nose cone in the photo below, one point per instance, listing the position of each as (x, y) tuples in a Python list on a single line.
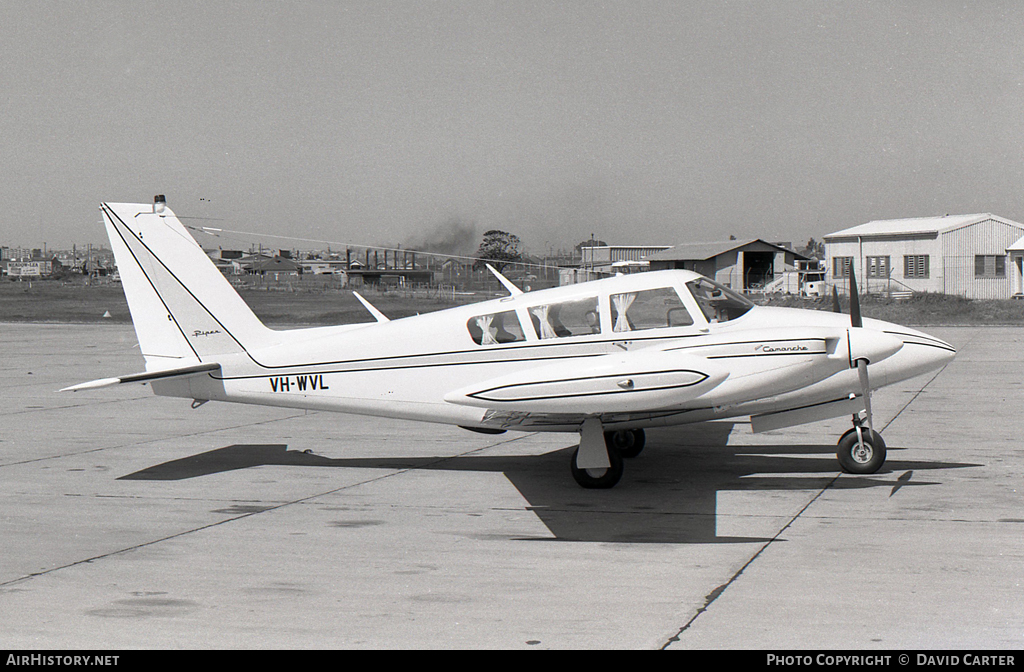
[(920, 353)]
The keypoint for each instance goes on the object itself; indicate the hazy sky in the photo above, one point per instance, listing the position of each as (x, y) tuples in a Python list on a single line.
[(382, 122)]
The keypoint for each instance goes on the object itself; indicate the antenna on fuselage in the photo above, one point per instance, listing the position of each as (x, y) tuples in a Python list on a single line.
[(512, 289), (377, 315)]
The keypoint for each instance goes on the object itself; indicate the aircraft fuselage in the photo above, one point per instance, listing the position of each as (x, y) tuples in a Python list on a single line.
[(764, 361)]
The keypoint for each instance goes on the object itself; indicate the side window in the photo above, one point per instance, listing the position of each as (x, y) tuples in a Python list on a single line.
[(649, 309), (496, 328), (718, 303), (568, 318)]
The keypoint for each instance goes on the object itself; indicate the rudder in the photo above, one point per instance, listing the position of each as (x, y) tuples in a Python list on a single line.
[(182, 307)]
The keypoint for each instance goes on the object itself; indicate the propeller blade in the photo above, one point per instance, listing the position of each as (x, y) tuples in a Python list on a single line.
[(836, 308), (865, 388), (855, 319)]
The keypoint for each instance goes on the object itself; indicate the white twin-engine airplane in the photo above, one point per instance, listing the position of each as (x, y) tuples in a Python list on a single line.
[(604, 359)]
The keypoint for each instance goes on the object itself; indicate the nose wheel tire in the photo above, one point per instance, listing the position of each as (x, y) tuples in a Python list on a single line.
[(856, 457), (627, 442), (598, 478)]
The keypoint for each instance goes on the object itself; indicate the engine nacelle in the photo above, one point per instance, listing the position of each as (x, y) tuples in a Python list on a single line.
[(871, 345)]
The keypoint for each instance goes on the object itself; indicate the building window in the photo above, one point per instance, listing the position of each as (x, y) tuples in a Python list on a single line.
[(989, 266), (915, 266), (841, 267), (878, 267)]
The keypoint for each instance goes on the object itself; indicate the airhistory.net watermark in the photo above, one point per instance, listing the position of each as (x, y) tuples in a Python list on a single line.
[(55, 660)]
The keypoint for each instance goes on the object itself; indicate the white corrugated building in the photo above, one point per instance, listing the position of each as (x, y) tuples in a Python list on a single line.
[(964, 255), (602, 258), (1016, 252)]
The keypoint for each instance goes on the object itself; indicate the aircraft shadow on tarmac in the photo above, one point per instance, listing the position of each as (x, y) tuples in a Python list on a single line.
[(668, 495)]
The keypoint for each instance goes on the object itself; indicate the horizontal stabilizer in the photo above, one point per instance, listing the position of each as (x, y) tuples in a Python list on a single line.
[(145, 377)]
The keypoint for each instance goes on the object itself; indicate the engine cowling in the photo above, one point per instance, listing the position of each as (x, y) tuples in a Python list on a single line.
[(870, 345)]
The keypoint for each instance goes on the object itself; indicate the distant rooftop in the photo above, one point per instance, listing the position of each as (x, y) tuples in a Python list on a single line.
[(704, 251), (916, 225)]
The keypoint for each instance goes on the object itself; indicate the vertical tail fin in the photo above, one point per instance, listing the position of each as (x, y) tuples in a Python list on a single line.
[(183, 308)]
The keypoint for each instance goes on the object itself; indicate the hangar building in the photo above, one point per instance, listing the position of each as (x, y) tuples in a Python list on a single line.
[(964, 255), (604, 259), (742, 265)]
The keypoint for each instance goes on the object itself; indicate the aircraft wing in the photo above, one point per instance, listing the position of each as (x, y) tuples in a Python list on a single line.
[(146, 376)]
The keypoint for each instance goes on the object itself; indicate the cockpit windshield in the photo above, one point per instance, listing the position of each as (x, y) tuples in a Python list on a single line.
[(718, 303)]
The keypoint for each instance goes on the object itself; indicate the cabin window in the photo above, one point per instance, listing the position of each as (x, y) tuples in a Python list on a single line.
[(648, 309), (496, 328), (567, 318), (718, 303)]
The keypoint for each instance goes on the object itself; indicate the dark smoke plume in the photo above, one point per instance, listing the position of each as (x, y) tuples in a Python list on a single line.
[(454, 236)]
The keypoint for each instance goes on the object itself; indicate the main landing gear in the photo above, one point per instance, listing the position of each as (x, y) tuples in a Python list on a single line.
[(598, 462), (861, 450), (627, 442)]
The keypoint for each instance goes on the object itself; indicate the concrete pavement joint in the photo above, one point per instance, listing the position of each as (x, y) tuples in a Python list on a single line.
[(44, 409), (143, 443), (717, 592), (912, 399), (248, 514)]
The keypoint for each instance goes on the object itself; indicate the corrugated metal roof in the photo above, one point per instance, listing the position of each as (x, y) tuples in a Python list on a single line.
[(275, 264), (914, 225), (705, 251)]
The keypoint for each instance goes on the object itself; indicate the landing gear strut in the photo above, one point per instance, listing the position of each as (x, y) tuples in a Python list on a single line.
[(598, 478), (861, 450), (597, 463)]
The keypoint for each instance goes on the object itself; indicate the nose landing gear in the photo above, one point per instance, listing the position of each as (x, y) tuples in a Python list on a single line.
[(861, 450)]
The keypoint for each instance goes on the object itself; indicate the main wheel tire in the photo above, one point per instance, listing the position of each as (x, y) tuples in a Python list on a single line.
[(876, 440), (598, 478), (628, 443), (857, 460)]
